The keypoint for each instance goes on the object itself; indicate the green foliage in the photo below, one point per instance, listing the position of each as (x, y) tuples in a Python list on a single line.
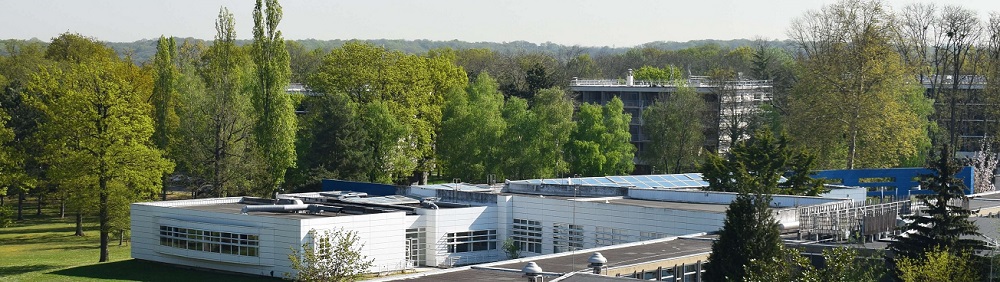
[(665, 74), (11, 169), (332, 256), (852, 88), (329, 143), (749, 234), (412, 87), (98, 130), (756, 165), (600, 143), (217, 122), (472, 130), (846, 264), (6, 216), (583, 66), (511, 248), (511, 140), (788, 265), (386, 143), (303, 61), (164, 96), (554, 110), (942, 225), (938, 264), (74, 49), (674, 128), (274, 119)]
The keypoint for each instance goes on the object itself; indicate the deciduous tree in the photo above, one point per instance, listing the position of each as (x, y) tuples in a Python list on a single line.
[(600, 143), (219, 122), (674, 128), (852, 87), (939, 264), (332, 256), (99, 133), (470, 143)]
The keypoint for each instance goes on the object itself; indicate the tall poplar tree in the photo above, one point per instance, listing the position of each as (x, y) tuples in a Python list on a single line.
[(164, 98), (275, 125), (219, 123)]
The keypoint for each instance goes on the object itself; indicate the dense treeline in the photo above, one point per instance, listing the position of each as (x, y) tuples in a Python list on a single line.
[(142, 51)]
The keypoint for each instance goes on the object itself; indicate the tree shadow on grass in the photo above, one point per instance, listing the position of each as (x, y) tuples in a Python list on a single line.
[(21, 269), (141, 270)]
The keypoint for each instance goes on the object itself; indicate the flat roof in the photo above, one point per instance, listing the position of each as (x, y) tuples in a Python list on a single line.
[(715, 208), (683, 180), (456, 187), (706, 207), (237, 208), (626, 254), (347, 206)]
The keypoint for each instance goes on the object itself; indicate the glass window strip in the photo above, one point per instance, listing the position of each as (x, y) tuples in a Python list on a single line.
[(210, 241)]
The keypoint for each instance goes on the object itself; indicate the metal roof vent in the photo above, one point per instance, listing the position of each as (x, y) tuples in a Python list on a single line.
[(533, 272), (597, 261)]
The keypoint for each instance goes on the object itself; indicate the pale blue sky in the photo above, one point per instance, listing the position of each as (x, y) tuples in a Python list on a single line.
[(583, 22)]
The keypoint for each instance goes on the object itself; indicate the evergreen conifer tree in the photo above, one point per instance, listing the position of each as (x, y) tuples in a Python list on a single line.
[(749, 233), (942, 224)]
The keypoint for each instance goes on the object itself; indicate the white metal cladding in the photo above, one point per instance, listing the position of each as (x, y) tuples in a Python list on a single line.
[(594, 223)]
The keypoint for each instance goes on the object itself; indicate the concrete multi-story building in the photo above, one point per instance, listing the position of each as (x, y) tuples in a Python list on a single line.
[(974, 114), (729, 102)]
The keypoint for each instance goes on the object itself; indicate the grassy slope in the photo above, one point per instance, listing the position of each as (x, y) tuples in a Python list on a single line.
[(43, 248)]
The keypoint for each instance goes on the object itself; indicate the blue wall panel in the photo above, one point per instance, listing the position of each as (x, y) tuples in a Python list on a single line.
[(373, 189), (903, 180)]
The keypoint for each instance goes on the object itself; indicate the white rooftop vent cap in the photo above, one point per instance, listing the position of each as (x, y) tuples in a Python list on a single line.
[(532, 269), (597, 258)]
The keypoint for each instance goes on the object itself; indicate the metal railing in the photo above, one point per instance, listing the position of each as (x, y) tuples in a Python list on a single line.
[(694, 82)]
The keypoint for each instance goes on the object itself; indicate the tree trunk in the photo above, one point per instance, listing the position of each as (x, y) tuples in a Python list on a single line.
[(104, 218), (38, 207), (20, 206), (163, 186), (79, 223), (2, 198), (62, 208), (852, 148), (121, 237)]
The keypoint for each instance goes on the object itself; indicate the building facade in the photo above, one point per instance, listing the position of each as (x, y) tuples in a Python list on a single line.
[(728, 103), (433, 225)]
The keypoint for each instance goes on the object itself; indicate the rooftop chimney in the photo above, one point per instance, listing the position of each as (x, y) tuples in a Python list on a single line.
[(629, 80)]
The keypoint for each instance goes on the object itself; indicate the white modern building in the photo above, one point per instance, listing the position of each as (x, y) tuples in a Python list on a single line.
[(440, 225)]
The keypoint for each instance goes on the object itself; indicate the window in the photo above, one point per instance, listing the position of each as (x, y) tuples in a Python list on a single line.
[(643, 236), (472, 241), (210, 241), (566, 237), (527, 235), (416, 240), (610, 236)]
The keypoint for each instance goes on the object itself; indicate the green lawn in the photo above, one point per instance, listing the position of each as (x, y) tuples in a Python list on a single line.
[(43, 248)]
